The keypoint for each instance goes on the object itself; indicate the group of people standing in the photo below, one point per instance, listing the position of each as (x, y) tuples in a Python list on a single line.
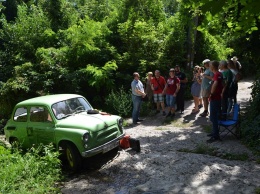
[(214, 87), (158, 89)]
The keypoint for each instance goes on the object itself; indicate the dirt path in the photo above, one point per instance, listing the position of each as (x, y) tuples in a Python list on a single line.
[(175, 158)]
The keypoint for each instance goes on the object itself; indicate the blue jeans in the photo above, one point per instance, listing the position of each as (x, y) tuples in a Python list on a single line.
[(215, 108), (137, 101), (170, 100)]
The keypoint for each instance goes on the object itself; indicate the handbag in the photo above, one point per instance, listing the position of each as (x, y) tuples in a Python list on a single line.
[(159, 84), (135, 144)]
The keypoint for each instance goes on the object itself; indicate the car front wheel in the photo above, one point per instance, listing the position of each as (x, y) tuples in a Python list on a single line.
[(73, 157)]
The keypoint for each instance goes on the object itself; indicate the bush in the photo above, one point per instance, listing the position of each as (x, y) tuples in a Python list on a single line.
[(119, 102), (251, 124), (37, 171)]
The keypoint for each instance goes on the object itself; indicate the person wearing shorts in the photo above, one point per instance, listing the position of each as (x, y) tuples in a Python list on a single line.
[(157, 85), (171, 89)]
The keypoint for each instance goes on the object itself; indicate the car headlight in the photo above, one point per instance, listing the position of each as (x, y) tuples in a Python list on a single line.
[(120, 124), (85, 137)]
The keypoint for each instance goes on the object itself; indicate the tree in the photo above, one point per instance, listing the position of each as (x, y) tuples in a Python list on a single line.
[(239, 15)]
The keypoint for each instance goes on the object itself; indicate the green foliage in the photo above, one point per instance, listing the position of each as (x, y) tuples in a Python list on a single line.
[(22, 38), (60, 12), (101, 77), (119, 102), (240, 16), (37, 171), (174, 48), (251, 125), (205, 149)]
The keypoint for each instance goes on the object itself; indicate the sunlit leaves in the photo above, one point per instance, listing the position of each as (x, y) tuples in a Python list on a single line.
[(240, 15), (101, 76)]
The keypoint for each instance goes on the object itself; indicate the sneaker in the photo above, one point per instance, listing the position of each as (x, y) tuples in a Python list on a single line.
[(200, 106), (213, 139), (169, 114), (182, 112), (204, 114), (163, 113), (140, 120)]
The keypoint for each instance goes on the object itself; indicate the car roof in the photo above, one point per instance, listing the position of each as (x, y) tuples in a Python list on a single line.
[(47, 100)]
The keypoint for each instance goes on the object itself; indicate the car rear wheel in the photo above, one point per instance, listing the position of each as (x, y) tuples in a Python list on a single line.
[(73, 157)]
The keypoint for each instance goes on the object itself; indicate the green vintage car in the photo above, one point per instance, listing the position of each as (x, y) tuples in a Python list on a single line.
[(69, 122)]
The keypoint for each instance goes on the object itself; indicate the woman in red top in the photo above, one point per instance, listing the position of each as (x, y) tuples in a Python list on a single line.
[(171, 89)]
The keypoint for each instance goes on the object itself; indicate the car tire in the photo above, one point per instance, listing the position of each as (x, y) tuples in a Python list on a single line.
[(14, 143), (73, 157)]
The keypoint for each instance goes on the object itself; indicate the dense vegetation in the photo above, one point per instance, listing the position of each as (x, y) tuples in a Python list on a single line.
[(93, 47), (37, 171)]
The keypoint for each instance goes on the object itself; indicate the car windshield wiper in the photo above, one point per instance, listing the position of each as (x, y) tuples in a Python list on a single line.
[(65, 116), (79, 111)]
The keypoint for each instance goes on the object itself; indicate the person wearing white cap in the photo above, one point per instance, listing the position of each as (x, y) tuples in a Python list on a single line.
[(206, 86), (237, 63)]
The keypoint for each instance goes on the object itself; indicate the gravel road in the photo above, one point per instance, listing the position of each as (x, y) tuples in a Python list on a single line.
[(174, 158)]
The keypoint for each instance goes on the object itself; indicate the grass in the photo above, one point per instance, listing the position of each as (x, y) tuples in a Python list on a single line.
[(161, 128), (201, 149), (176, 123), (205, 149), (206, 128), (125, 123), (36, 171), (229, 156), (257, 190)]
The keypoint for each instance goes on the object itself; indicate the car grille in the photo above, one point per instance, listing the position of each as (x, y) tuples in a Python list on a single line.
[(105, 135)]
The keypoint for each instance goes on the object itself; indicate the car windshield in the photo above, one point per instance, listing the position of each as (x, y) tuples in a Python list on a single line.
[(69, 107)]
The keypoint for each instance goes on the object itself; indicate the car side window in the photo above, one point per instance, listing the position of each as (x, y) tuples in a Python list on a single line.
[(20, 114), (40, 114)]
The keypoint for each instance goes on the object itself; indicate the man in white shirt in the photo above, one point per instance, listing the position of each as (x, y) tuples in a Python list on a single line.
[(137, 95)]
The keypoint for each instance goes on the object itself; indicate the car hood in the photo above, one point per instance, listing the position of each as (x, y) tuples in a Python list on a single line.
[(90, 122)]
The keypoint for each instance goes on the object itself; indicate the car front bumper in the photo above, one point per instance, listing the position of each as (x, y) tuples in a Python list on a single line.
[(103, 148)]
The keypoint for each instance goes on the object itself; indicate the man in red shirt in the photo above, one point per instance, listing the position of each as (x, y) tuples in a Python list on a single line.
[(171, 89), (215, 100), (157, 85)]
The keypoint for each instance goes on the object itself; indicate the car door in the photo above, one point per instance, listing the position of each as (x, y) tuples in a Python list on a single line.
[(18, 127), (41, 124)]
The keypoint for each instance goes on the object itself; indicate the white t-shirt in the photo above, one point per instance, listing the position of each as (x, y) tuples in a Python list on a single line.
[(235, 72)]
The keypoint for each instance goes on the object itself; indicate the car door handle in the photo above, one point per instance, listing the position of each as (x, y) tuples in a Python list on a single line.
[(29, 131), (11, 128)]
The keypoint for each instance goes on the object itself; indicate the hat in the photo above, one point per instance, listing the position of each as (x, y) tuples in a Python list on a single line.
[(150, 73), (234, 58), (172, 70), (206, 61)]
